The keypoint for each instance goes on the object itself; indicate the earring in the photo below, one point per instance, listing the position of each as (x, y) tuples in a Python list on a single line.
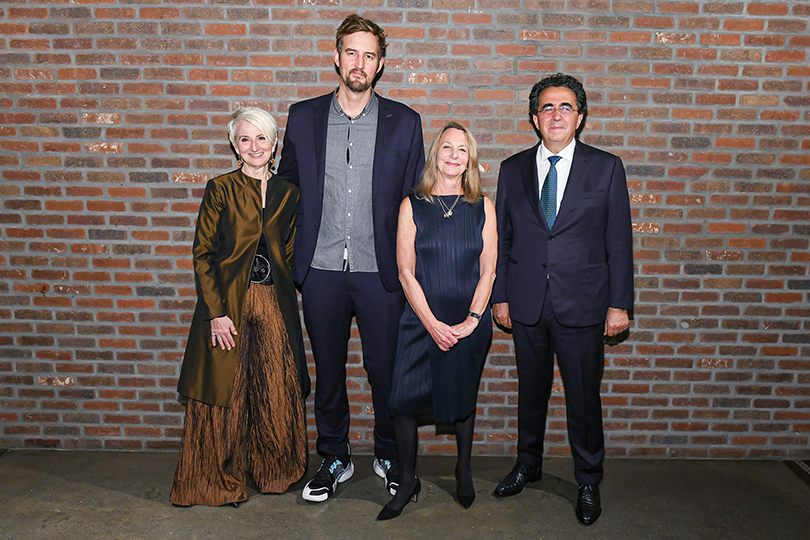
[(272, 161), (239, 160)]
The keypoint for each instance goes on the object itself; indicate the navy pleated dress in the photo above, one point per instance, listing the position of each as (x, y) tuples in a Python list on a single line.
[(426, 379)]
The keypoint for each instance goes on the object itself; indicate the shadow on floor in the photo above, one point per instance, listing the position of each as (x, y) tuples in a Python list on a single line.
[(64, 495)]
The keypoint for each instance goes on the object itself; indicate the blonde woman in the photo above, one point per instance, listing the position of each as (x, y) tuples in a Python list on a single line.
[(446, 255)]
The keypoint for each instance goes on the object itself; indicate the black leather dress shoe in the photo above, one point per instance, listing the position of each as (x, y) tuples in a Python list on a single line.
[(515, 480), (589, 504)]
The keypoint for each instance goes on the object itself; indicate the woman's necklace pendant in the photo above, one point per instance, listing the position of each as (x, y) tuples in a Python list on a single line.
[(447, 211)]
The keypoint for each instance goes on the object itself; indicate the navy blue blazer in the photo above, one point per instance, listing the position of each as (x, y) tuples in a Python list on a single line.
[(399, 157), (588, 253)]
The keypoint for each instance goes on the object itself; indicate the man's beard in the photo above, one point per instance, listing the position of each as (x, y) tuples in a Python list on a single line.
[(357, 85)]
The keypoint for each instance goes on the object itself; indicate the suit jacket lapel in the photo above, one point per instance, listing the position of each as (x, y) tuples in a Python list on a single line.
[(528, 172), (385, 126), (579, 168), (320, 127)]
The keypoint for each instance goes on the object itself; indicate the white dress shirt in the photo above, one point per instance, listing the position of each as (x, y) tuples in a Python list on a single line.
[(563, 168)]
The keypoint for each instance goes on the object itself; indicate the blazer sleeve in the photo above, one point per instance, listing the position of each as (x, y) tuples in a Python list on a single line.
[(619, 240), (416, 159), (204, 250), (504, 224), (291, 237), (288, 167)]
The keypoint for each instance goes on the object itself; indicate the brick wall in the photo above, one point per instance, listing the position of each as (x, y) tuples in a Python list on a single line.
[(111, 121)]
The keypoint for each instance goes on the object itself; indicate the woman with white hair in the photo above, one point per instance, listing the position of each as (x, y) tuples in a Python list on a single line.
[(244, 369)]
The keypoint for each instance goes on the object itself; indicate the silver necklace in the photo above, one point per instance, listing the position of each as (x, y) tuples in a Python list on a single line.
[(448, 211)]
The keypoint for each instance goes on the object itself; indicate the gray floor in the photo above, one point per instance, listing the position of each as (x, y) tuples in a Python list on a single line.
[(70, 495)]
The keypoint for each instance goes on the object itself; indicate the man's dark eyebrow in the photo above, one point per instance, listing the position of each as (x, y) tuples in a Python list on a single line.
[(561, 105), (347, 49)]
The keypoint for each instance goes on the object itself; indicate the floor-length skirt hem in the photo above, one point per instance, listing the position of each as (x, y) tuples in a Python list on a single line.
[(262, 433)]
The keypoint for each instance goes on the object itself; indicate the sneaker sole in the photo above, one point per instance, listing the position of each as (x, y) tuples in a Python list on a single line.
[(320, 497), (379, 470), (348, 473), (381, 473)]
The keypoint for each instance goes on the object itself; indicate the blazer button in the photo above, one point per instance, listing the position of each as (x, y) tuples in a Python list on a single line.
[(544, 265), (550, 237)]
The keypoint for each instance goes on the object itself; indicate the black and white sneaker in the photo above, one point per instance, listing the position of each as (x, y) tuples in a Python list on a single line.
[(332, 472), (389, 471)]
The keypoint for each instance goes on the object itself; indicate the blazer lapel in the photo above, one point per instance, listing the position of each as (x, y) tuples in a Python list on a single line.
[(528, 172), (579, 168), (320, 127), (385, 127)]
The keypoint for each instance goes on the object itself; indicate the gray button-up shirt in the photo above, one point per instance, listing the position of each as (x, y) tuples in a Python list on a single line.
[(346, 234)]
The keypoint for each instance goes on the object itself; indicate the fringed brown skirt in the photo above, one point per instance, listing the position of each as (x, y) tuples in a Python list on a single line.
[(263, 430)]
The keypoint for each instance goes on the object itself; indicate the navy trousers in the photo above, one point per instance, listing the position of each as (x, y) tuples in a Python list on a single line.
[(330, 300), (581, 359)]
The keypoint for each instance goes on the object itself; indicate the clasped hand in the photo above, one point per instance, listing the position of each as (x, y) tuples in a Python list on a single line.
[(446, 336)]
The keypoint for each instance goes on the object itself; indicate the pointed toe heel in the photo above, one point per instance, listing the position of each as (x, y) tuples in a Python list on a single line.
[(465, 497), (390, 512), (466, 500)]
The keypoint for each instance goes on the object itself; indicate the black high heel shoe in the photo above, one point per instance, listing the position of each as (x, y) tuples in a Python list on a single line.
[(389, 512), (465, 499)]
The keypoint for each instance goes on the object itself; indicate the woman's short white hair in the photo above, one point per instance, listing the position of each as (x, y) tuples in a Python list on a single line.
[(260, 118)]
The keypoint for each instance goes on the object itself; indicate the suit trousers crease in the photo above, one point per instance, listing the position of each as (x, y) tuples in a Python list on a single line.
[(580, 357), (330, 300), (263, 430)]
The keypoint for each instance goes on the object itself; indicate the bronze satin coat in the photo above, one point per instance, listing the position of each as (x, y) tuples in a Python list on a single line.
[(229, 226)]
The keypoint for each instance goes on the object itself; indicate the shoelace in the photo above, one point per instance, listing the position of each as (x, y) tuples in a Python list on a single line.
[(588, 497), (326, 470)]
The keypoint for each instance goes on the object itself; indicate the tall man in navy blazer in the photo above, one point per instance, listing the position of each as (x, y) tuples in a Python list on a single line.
[(355, 155), (564, 280)]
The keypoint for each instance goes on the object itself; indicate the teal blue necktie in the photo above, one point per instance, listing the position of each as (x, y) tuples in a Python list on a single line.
[(548, 195)]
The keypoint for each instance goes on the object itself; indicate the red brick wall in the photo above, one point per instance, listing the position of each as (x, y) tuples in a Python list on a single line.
[(111, 120)]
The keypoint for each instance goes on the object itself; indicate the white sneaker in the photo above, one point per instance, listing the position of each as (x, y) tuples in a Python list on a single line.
[(331, 473)]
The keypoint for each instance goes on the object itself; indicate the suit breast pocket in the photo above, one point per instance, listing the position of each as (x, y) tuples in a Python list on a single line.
[(593, 198), (396, 159), (594, 194)]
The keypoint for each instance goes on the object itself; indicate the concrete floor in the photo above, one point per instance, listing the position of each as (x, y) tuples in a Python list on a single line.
[(70, 495)]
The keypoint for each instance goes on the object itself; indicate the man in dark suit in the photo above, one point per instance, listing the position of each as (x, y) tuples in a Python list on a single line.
[(355, 155), (564, 280)]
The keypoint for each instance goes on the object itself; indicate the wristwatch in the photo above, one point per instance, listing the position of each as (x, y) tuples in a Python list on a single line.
[(474, 315)]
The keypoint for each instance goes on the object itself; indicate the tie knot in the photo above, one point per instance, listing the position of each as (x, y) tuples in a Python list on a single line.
[(554, 160)]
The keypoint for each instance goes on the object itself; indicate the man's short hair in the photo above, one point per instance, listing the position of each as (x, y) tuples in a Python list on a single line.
[(355, 23), (560, 80), (564, 81)]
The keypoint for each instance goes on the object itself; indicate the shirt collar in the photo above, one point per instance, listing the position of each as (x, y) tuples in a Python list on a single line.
[(566, 153), (370, 106)]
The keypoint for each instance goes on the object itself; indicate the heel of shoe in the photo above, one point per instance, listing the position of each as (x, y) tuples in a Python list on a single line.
[(417, 488)]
